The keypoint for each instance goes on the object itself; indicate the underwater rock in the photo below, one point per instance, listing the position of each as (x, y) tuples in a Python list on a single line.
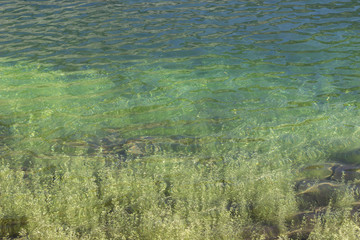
[(70, 147), (318, 195), (329, 171), (303, 223), (303, 185), (316, 187), (318, 171), (114, 145), (319, 184), (129, 148), (346, 173), (142, 146)]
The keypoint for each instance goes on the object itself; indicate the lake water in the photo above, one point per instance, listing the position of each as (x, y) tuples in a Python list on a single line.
[(231, 97), (256, 76)]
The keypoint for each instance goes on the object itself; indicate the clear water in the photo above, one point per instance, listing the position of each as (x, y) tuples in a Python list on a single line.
[(278, 79)]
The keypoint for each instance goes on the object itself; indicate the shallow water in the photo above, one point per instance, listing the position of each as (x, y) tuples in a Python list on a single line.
[(276, 79)]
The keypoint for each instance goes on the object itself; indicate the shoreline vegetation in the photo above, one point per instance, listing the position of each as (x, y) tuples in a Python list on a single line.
[(159, 197)]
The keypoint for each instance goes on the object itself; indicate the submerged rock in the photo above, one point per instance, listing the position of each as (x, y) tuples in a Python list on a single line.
[(331, 172), (121, 148), (318, 195), (319, 185), (303, 223), (346, 173), (317, 171)]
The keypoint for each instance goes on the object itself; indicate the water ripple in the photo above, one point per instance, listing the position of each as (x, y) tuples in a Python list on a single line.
[(172, 67)]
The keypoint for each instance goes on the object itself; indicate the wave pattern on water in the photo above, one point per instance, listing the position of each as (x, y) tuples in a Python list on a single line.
[(229, 69)]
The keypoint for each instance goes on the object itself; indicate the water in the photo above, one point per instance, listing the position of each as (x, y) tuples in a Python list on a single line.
[(256, 77), (179, 119)]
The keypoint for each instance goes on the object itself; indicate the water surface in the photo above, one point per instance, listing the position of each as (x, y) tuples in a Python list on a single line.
[(258, 77)]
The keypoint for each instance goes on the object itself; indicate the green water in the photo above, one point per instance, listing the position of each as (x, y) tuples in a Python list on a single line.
[(259, 89), (248, 76), (299, 115)]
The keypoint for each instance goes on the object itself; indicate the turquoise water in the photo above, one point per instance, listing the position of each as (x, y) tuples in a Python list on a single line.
[(277, 79)]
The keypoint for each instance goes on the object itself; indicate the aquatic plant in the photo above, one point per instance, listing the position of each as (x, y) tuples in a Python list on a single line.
[(155, 198)]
